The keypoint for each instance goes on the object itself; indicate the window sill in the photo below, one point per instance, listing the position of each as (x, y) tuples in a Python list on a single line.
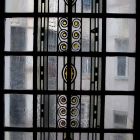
[(121, 78)]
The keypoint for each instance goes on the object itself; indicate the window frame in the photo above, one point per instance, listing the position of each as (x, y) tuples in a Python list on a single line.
[(103, 15)]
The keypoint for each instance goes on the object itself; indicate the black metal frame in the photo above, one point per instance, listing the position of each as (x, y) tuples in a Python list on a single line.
[(69, 54)]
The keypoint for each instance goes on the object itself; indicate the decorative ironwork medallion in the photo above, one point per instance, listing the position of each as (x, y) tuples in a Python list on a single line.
[(74, 123), (76, 23), (76, 34), (74, 112), (76, 46), (62, 111), (63, 23), (62, 123), (75, 100), (73, 73), (62, 99), (63, 34)]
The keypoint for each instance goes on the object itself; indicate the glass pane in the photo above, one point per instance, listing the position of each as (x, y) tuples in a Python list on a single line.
[(50, 73), (19, 5), (90, 109), (121, 6), (48, 34), (120, 73), (45, 104), (18, 72), (119, 112), (118, 136), (78, 6), (19, 34), (62, 136), (121, 35), (88, 73), (87, 6), (52, 6), (85, 111), (86, 34), (91, 32), (18, 136), (18, 110)]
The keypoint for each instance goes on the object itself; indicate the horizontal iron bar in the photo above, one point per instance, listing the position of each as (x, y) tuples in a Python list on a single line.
[(84, 15), (89, 54), (73, 92), (83, 130)]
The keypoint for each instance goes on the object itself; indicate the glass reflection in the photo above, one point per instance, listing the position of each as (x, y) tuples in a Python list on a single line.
[(121, 6), (19, 34), (18, 136), (120, 73), (18, 110), (122, 38), (119, 112), (18, 72), (118, 136), (19, 5)]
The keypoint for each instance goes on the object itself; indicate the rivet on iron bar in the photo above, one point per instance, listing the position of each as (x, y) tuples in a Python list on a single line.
[(42, 106), (96, 38), (95, 107), (42, 114), (42, 29), (96, 70), (95, 30), (42, 38), (96, 78), (41, 68), (95, 115), (43, 1), (42, 76), (97, 1)]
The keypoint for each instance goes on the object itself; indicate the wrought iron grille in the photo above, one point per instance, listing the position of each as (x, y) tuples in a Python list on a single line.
[(54, 62)]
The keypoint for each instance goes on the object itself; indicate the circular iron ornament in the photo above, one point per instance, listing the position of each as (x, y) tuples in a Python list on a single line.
[(62, 123), (63, 23), (76, 34), (75, 100), (62, 99), (73, 73), (63, 34), (74, 112), (63, 46), (62, 111), (76, 46), (73, 1), (76, 23), (74, 123)]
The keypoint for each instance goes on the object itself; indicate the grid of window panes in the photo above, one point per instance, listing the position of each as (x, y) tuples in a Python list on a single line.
[(67, 69)]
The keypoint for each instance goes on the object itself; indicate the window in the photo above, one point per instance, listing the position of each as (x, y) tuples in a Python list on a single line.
[(122, 45), (122, 68), (59, 62), (120, 119)]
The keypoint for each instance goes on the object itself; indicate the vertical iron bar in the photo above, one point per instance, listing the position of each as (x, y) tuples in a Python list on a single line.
[(136, 96), (103, 70), (35, 71), (2, 38), (69, 67)]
